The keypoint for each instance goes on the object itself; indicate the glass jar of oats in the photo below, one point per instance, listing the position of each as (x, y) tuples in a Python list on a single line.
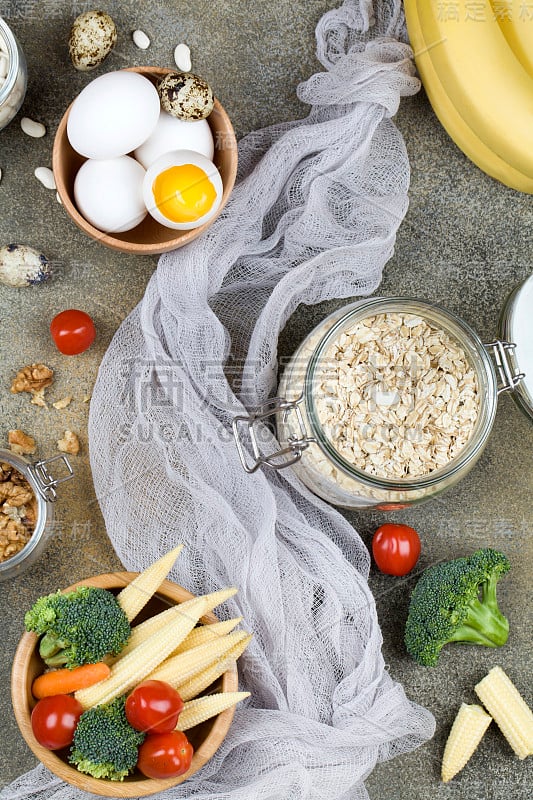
[(388, 402), (27, 494)]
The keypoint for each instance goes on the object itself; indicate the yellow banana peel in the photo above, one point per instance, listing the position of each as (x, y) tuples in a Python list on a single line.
[(472, 117), (515, 18)]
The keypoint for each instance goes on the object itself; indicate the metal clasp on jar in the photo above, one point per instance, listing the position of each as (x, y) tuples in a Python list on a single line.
[(502, 355), (248, 424), (44, 481)]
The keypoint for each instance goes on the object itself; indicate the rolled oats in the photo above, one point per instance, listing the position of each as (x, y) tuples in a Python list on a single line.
[(398, 397)]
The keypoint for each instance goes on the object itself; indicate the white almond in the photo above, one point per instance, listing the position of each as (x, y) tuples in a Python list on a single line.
[(46, 176), (4, 65), (182, 57), (59, 200), (32, 128), (141, 40)]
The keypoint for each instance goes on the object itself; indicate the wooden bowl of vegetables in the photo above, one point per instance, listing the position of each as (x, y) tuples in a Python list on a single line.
[(198, 662)]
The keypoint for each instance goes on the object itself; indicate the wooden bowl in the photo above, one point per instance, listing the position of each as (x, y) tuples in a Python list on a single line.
[(206, 738), (150, 236)]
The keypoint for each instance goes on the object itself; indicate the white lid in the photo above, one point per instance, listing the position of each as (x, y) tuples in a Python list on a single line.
[(517, 327)]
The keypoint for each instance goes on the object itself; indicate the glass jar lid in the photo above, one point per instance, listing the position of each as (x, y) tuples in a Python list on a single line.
[(517, 326)]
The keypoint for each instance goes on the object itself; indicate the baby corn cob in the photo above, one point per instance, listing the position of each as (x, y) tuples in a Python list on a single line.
[(466, 733), (502, 699), (136, 594), (215, 599), (206, 633), (178, 668), (135, 666), (196, 711), (201, 680), (141, 632)]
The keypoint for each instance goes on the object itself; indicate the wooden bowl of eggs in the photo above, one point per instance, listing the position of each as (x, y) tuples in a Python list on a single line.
[(206, 737), (135, 177)]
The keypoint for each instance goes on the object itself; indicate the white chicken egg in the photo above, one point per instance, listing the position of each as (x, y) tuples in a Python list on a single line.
[(182, 189), (172, 133), (108, 193), (113, 115)]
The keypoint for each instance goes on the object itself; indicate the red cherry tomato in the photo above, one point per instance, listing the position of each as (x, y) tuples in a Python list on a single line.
[(54, 720), (153, 707), (73, 331), (392, 506), (165, 755), (396, 548)]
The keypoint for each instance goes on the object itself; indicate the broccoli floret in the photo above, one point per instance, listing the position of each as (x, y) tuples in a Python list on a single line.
[(79, 627), (456, 602), (43, 613), (105, 745)]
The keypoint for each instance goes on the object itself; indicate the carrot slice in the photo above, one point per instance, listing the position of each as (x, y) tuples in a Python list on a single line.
[(65, 681)]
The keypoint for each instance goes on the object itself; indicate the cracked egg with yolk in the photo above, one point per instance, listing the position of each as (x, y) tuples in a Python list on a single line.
[(182, 189)]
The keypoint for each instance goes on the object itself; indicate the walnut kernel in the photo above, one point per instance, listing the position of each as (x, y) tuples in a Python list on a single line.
[(69, 443), (63, 403), (5, 471), (38, 399), (21, 443), (32, 378), (14, 494), (18, 511)]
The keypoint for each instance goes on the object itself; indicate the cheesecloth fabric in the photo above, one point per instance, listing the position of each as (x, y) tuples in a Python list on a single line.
[(312, 217)]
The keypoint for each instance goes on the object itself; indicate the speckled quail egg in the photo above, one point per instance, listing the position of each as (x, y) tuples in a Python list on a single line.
[(182, 190), (22, 265), (185, 95), (108, 192), (92, 37)]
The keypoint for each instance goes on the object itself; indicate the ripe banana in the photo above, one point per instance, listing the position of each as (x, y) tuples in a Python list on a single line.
[(451, 120), (484, 80), (515, 18)]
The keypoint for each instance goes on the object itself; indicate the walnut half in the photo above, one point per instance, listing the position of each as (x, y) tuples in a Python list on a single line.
[(21, 443), (13, 536), (63, 403), (69, 443), (18, 511), (5, 471), (15, 495), (32, 378)]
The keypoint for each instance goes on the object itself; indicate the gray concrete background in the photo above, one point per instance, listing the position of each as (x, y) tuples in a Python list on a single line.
[(466, 242)]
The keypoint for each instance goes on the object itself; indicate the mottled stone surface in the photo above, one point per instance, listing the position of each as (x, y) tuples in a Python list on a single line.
[(465, 243)]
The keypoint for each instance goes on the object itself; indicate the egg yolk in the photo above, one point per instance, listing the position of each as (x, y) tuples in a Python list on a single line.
[(183, 193)]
